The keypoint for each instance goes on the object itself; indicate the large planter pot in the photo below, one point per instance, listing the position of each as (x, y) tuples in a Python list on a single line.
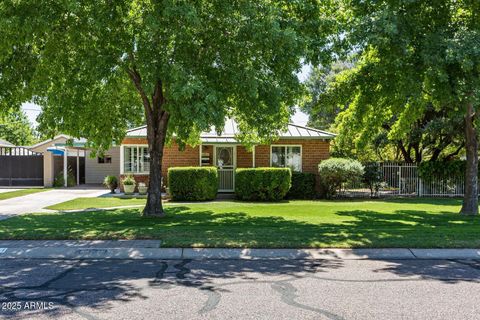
[(129, 189), (142, 189)]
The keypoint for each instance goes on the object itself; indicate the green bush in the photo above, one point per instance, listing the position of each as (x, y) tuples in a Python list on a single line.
[(129, 180), (453, 168), (193, 183), (59, 182), (264, 184), (111, 182), (336, 171), (303, 186), (373, 178)]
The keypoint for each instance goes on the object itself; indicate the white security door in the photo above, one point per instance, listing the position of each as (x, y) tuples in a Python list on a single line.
[(225, 162)]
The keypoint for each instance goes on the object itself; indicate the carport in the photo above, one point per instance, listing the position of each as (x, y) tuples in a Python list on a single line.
[(66, 151)]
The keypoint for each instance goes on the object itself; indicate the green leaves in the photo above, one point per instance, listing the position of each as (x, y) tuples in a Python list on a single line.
[(415, 59), (215, 59)]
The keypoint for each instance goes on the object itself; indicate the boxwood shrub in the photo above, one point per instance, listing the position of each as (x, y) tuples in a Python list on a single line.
[(303, 186), (193, 183), (334, 172), (262, 184)]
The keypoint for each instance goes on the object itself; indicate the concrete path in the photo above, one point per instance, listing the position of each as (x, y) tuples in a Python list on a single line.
[(150, 249), (240, 289), (36, 202)]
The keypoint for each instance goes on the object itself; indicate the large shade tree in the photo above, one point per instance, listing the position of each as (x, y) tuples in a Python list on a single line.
[(415, 57), (15, 127), (95, 65)]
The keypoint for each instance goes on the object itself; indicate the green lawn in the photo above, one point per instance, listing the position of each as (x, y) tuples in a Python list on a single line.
[(89, 203), (385, 223), (19, 193)]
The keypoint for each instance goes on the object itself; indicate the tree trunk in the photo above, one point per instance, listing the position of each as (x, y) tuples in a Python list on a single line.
[(470, 199), (156, 140), (157, 124)]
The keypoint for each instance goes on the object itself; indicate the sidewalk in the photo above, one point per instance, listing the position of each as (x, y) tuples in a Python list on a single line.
[(150, 249)]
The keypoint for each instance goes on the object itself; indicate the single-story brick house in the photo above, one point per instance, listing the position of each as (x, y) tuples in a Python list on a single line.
[(300, 148)]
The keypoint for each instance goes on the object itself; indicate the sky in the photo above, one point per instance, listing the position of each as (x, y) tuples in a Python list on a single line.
[(32, 110)]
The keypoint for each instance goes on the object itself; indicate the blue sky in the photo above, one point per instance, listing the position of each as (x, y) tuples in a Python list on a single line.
[(32, 110)]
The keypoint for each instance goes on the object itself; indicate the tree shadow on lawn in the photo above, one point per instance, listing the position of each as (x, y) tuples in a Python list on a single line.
[(188, 227), (360, 228), (97, 283)]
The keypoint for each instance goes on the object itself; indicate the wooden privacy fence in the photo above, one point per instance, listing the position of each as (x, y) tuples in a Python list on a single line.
[(402, 179), (20, 167)]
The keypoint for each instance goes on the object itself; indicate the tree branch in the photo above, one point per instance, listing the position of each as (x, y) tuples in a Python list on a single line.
[(137, 81)]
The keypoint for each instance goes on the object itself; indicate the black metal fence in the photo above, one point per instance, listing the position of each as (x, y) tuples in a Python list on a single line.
[(20, 167)]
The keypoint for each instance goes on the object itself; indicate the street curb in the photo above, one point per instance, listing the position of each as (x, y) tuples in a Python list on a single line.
[(68, 253)]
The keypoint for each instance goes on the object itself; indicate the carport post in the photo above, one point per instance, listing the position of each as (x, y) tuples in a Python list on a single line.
[(78, 166), (65, 165)]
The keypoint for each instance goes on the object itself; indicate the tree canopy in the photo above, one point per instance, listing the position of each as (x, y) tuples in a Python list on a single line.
[(414, 57), (15, 128), (96, 66)]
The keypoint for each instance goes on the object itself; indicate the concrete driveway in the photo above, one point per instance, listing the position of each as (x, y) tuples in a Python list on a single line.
[(36, 202)]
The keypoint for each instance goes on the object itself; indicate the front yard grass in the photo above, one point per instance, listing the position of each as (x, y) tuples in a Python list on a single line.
[(102, 202), (19, 193), (420, 223)]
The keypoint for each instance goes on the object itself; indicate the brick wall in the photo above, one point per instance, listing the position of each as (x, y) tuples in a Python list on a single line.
[(313, 151), (244, 157), (172, 157)]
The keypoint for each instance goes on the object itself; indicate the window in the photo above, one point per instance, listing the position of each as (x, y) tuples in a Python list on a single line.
[(286, 157), (105, 159), (136, 159)]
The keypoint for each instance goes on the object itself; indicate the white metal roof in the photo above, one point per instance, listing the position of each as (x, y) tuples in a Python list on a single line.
[(5, 143), (228, 134)]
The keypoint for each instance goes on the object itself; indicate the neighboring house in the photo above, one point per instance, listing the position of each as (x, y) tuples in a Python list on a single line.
[(52, 161), (6, 144), (87, 169), (300, 148)]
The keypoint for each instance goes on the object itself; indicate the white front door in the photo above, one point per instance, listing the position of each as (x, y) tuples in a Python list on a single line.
[(225, 157)]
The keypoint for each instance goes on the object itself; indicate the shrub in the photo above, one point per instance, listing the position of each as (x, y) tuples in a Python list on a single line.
[(336, 171), (193, 183), (303, 186), (264, 184), (128, 180), (453, 168), (111, 182), (60, 182), (373, 178)]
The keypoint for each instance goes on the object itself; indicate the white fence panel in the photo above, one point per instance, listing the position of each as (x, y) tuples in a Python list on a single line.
[(402, 179)]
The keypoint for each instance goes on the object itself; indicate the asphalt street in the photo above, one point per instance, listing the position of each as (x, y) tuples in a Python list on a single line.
[(239, 289)]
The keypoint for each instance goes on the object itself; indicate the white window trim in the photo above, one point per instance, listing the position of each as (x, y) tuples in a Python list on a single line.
[(288, 145), (122, 158)]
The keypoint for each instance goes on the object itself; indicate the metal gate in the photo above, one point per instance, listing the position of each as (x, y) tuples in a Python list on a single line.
[(225, 160), (20, 167)]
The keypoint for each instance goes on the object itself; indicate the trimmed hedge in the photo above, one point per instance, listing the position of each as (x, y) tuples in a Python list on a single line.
[(303, 186), (262, 184), (193, 183)]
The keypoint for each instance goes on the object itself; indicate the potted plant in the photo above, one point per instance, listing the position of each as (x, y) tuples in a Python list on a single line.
[(111, 183), (142, 188), (129, 184)]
